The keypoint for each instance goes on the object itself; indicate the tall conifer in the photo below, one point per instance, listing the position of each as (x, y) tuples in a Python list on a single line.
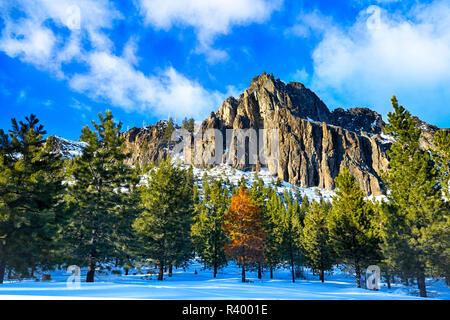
[(415, 200), (98, 195), (353, 225), (30, 188), (316, 241)]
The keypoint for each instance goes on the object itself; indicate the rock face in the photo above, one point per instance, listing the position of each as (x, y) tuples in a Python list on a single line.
[(358, 120), (67, 148), (426, 135), (313, 143), (146, 145)]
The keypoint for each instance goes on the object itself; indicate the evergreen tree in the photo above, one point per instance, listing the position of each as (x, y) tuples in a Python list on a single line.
[(353, 225), (272, 219), (209, 236), (127, 244), (243, 225), (316, 241), (31, 178), (99, 196), (290, 231), (304, 207), (168, 131), (189, 125), (259, 195), (164, 224), (440, 231), (442, 159), (413, 224), (242, 183)]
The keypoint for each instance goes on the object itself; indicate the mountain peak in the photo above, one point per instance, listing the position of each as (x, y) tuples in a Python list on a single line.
[(266, 94)]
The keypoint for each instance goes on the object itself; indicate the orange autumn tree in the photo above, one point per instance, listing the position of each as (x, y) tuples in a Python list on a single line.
[(243, 224)]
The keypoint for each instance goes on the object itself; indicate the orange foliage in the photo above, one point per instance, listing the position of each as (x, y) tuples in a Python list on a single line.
[(243, 224)]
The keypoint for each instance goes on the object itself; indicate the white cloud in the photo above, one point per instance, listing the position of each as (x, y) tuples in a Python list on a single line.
[(208, 18), (30, 39), (300, 75), (22, 95), (110, 77), (383, 54), (309, 23), (78, 105), (115, 80)]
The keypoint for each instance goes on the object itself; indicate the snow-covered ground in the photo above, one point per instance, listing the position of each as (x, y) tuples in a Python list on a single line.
[(227, 285)]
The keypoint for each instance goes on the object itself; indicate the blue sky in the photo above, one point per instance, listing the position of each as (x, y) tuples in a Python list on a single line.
[(146, 60)]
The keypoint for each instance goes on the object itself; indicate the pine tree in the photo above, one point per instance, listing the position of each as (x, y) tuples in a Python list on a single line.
[(209, 236), (316, 241), (442, 159), (415, 217), (127, 244), (353, 225), (440, 261), (258, 194), (188, 125), (290, 231), (304, 207), (272, 219), (98, 195), (30, 187), (243, 225), (168, 131), (164, 223)]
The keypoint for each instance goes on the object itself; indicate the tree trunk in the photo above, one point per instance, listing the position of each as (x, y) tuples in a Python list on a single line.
[(358, 275), (92, 254), (292, 270), (215, 259), (421, 285), (2, 269), (91, 272), (170, 270), (243, 271), (161, 271), (127, 264), (322, 276), (271, 272), (3, 261), (259, 271)]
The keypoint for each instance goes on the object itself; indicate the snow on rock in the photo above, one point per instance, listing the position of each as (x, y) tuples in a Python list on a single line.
[(69, 148), (225, 171)]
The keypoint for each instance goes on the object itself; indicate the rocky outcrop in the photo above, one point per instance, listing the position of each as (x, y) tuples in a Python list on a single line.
[(146, 145), (313, 143), (311, 153), (358, 120), (67, 148), (426, 135)]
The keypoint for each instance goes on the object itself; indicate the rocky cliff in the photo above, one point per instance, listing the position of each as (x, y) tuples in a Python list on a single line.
[(312, 143)]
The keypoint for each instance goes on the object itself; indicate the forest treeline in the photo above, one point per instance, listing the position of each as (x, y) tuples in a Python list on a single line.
[(93, 209)]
